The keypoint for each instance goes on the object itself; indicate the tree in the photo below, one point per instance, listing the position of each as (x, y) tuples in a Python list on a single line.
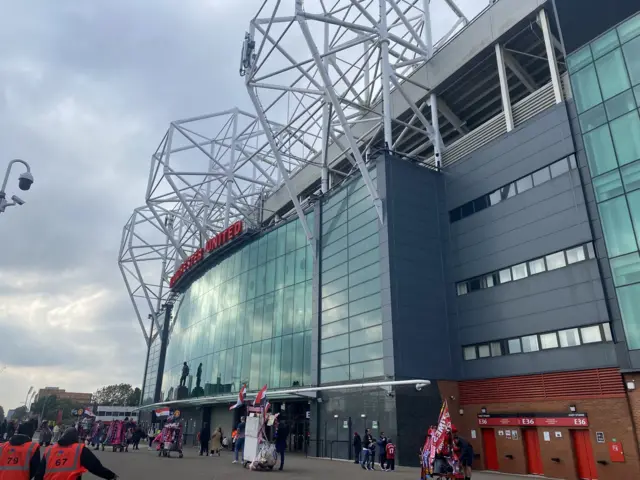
[(50, 405), (19, 413), (1, 413), (134, 398), (122, 394)]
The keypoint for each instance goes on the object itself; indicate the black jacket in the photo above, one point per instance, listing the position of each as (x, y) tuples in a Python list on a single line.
[(205, 435), (357, 442), (18, 440), (87, 459)]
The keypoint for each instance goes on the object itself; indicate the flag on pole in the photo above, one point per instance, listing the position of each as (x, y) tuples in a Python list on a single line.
[(262, 395), (440, 434), (163, 412), (241, 395)]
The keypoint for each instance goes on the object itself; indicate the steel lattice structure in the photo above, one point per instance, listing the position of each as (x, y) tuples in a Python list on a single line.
[(321, 79)]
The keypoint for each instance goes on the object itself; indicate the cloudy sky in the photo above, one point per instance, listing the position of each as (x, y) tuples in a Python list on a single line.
[(87, 89)]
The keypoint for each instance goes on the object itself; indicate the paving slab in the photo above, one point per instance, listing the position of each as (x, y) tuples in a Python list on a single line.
[(145, 464)]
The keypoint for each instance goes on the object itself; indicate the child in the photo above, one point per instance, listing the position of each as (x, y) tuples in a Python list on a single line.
[(390, 455)]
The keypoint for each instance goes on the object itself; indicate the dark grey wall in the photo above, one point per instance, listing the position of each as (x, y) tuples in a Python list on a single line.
[(417, 287), (545, 219)]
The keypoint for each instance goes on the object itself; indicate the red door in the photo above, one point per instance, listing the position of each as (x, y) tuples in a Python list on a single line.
[(532, 449), (490, 449), (583, 453)]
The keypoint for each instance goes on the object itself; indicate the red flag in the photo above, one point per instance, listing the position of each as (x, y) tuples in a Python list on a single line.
[(440, 434), (261, 395), (240, 401)]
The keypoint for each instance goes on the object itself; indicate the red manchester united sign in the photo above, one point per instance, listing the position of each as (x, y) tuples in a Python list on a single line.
[(212, 244)]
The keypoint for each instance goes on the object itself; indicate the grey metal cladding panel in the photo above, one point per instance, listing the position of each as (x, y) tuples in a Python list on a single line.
[(539, 142), (556, 232), (560, 359), (555, 196), (569, 316), (561, 278)]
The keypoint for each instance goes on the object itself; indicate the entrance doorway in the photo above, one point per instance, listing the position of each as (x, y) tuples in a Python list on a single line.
[(490, 449), (532, 450), (295, 415), (585, 462)]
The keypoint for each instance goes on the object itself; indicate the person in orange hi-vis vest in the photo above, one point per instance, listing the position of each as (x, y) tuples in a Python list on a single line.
[(19, 457), (68, 460)]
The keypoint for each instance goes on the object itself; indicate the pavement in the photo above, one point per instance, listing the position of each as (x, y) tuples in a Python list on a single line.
[(145, 464)]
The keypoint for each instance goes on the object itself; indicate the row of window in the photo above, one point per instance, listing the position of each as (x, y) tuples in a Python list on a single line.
[(117, 414), (547, 263), (571, 337), (512, 189)]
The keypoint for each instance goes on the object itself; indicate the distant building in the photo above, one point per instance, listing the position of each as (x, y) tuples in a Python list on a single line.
[(61, 393)]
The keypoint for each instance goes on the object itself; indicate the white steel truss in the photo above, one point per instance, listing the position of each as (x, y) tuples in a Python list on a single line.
[(326, 69), (207, 173)]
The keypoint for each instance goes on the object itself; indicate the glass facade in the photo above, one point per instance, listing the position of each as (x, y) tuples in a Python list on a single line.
[(247, 319), (351, 318), (151, 371), (605, 76)]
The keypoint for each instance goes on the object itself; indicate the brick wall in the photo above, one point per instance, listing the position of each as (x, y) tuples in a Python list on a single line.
[(634, 402), (610, 416)]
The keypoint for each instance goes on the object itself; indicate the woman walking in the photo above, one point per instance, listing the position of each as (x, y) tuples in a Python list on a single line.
[(216, 441)]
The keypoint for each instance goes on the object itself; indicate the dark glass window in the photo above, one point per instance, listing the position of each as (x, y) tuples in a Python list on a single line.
[(480, 203), (467, 209), (455, 215), (475, 284)]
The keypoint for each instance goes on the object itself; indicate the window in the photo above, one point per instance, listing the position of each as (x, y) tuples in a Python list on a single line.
[(462, 288), (579, 59), (569, 338), (514, 345), (606, 329), (630, 309), (621, 104), (632, 56), (496, 349), (612, 74), (555, 260), (631, 176), (484, 351), (626, 269), (575, 255), (524, 184), (495, 198), (530, 344), (616, 223), (548, 340), (604, 44), (593, 118), (608, 186), (536, 266), (599, 148), (591, 334), (469, 353), (519, 271), (541, 176), (629, 29), (625, 137), (585, 88), (559, 168), (590, 251), (475, 284), (505, 276), (489, 280)]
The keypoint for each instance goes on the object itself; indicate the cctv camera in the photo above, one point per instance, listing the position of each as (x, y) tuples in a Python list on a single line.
[(420, 386), (25, 181), (17, 200)]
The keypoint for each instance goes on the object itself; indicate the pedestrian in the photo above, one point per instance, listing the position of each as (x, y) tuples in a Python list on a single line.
[(11, 429), (357, 447), (390, 455), (240, 439), (69, 459), (216, 441), (366, 449), (137, 436), (20, 456), (281, 441), (46, 435), (205, 435), (3, 429), (372, 454), (382, 445), (465, 451), (57, 431)]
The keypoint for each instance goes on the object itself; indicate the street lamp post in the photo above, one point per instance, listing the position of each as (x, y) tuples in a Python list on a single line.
[(24, 183)]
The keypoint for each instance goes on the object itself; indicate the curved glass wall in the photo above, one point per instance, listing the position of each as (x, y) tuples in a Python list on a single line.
[(153, 361), (351, 319), (248, 319)]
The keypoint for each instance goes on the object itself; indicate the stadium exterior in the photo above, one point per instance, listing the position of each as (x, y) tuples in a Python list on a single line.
[(398, 207)]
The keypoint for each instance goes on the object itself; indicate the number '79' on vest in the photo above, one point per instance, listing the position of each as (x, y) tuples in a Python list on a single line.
[(15, 460)]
